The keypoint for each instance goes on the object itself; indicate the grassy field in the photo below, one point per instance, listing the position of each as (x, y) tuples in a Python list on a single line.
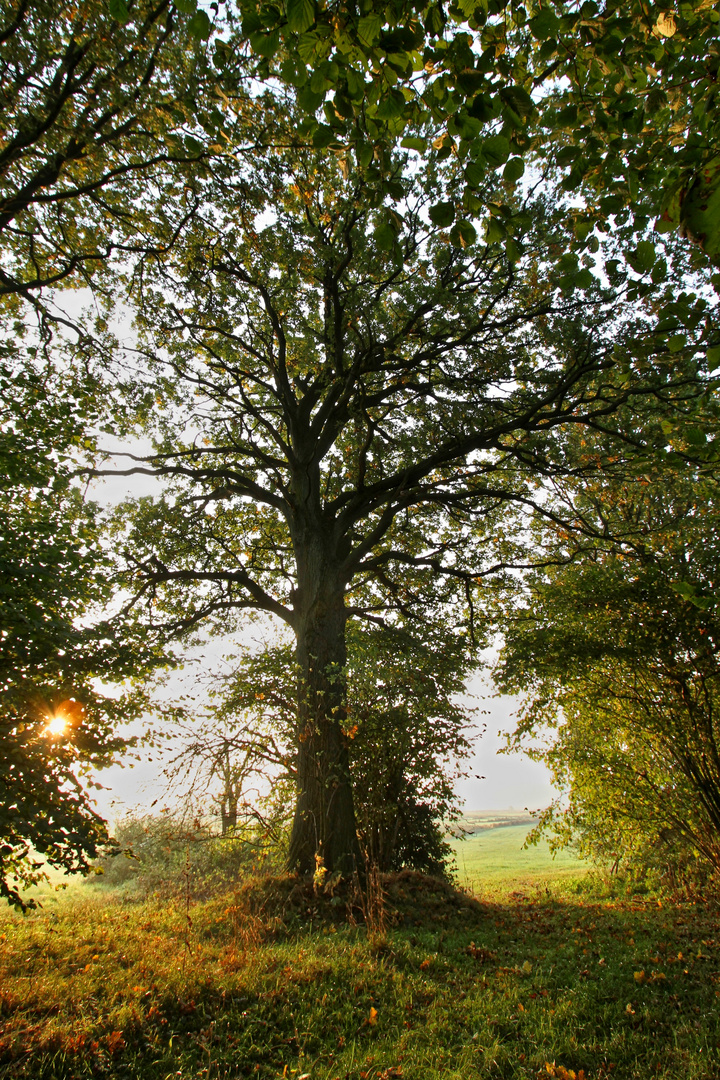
[(491, 856), (272, 981)]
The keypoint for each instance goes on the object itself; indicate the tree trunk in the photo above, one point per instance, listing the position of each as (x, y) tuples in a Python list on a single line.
[(324, 832)]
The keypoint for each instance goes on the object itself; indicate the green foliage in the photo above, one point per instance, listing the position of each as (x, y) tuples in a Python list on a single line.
[(409, 736), (56, 642), (406, 738), (616, 646), (622, 99), (89, 111)]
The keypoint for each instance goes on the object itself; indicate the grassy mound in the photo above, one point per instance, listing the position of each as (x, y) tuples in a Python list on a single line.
[(285, 904)]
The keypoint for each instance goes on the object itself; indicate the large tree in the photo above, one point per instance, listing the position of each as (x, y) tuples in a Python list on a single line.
[(342, 390)]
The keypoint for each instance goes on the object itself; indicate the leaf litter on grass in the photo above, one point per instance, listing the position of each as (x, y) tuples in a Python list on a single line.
[(273, 980)]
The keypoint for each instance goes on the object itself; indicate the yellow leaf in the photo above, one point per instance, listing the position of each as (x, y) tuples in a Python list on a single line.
[(526, 968), (372, 1018), (639, 976), (665, 26)]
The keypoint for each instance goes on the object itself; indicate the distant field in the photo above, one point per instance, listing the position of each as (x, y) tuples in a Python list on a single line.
[(494, 856)]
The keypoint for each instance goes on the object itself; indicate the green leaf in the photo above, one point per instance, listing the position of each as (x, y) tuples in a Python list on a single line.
[(391, 105), (300, 15), (544, 25), (355, 83), (119, 10), (435, 20), (496, 150), (514, 169), (713, 354), (584, 279), (187, 7), (677, 342), (700, 208), (323, 136), (568, 263), (364, 154), (309, 101), (517, 99), (463, 234), (200, 26), (385, 237), (442, 214), (643, 258), (411, 143), (474, 174), (294, 72), (369, 29), (696, 436), (265, 44), (495, 231)]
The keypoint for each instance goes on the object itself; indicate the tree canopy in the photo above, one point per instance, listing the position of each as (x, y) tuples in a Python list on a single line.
[(345, 390), (358, 341), (621, 96)]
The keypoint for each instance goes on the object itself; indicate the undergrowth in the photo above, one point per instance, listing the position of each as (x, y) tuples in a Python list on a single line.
[(273, 981)]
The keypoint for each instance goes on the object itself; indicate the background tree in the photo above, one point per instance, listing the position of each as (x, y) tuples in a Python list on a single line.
[(94, 101), (617, 650), (344, 394)]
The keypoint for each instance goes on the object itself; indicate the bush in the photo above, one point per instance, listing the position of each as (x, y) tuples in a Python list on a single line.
[(163, 854)]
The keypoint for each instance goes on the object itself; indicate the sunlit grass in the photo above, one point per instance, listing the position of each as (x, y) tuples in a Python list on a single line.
[(237, 987)]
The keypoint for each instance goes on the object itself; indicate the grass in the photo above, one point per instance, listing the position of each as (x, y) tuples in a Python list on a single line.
[(271, 981), (492, 857)]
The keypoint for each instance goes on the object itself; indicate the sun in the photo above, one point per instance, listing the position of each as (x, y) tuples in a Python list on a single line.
[(57, 724), (64, 719)]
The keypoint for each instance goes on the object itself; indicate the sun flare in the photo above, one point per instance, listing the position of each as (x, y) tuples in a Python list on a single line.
[(57, 724)]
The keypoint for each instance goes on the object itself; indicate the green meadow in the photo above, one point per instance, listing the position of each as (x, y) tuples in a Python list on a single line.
[(491, 855)]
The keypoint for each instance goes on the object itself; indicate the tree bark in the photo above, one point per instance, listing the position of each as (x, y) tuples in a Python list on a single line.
[(324, 831)]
